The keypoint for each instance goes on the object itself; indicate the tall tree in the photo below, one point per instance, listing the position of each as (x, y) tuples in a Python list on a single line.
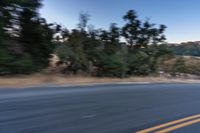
[(27, 37), (141, 34), (131, 30), (83, 21), (37, 41)]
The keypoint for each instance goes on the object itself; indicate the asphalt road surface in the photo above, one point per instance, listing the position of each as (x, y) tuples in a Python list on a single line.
[(119, 108)]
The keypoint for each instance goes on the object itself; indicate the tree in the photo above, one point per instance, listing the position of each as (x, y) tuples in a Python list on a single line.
[(143, 40), (23, 50), (83, 21), (86, 48), (111, 65), (113, 42), (138, 63), (83, 44), (139, 34), (36, 42), (131, 30)]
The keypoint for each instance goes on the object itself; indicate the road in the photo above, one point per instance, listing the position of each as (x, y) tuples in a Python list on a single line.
[(113, 108)]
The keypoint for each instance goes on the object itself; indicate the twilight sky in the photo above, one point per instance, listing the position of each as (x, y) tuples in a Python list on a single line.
[(182, 17)]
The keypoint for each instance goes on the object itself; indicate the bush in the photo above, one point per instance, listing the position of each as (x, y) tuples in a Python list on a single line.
[(113, 65), (138, 63), (10, 64)]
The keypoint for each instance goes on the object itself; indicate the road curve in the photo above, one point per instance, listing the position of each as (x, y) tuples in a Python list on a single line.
[(125, 108)]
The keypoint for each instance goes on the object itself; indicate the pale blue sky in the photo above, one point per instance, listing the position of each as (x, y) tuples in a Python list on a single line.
[(182, 17)]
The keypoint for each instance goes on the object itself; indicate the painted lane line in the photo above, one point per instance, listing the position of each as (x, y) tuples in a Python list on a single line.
[(179, 126), (168, 124)]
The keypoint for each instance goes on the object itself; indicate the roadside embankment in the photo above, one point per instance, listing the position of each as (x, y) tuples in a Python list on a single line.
[(62, 80)]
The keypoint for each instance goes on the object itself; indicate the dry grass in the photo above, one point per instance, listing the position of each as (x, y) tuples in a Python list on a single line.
[(58, 79), (189, 61), (44, 79)]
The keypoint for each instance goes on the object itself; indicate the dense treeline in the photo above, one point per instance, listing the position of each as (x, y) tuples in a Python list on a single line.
[(27, 41), (101, 52)]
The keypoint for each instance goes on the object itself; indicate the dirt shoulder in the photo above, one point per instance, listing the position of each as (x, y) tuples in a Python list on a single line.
[(41, 79)]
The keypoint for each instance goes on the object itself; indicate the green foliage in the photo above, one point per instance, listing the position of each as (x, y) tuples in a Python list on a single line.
[(36, 42), (25, 38), (141, 34), (111, 39), (103, 50), (82, 49), (139, 63), (64, 51), (112, 65), (15, 64)]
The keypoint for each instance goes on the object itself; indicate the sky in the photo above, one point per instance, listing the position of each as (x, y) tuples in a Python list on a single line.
[(182, 17)]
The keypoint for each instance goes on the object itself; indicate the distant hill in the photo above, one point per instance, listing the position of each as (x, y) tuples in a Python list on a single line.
[(186, 49)]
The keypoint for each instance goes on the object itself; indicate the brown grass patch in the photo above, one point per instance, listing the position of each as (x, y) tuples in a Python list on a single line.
[(50, 79)]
